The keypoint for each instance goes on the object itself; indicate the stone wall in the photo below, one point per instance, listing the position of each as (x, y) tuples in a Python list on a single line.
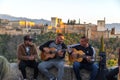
[(68, 73)]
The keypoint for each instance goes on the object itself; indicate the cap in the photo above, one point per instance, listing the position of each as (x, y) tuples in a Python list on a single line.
[(28, 37)]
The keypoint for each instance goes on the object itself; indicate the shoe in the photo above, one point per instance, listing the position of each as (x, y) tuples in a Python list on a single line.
[(53, 79), (50, 79)]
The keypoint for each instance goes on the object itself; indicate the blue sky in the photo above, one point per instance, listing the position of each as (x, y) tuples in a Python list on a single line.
[(88, 11)]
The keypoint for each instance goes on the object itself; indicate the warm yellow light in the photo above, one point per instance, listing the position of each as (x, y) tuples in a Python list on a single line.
[(22, 23), (31, 24), (58, 31), (49, 27), (25, 23)]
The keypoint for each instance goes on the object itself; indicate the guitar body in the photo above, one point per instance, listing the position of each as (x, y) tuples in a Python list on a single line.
[(45, 56), (42, 56), (79, 56), (70, 57)]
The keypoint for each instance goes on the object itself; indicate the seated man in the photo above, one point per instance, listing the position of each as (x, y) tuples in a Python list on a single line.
[(27, 54), (84, 61), (54, 53)]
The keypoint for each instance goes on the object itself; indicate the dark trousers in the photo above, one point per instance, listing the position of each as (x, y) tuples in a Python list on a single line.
[(90, 67), (111, 75), (27, 63)]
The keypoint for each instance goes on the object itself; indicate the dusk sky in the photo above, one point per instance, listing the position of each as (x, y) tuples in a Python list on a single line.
[(88, 11)]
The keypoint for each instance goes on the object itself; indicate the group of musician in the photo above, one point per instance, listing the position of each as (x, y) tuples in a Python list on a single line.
[(83, 55)]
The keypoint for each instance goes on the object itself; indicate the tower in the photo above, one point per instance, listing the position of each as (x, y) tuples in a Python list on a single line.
[(54, 21), (101, 25)]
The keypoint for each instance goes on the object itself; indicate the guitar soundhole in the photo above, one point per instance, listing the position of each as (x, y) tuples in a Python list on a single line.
[(78, 56), (51, 52)]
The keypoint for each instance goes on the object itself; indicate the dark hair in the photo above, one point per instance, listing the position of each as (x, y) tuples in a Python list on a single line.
[(84, 37), (60, 34), (28, 38)]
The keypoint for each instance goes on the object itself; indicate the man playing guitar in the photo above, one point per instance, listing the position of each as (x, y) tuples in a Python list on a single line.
[(57, 59), (87, 61)]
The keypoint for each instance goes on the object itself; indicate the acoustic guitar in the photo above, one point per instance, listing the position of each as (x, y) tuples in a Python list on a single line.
[(79, 55), (53, 52)]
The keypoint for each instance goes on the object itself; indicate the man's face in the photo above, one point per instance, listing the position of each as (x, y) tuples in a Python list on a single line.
[(59, 39), (83, 42), (28, 42)]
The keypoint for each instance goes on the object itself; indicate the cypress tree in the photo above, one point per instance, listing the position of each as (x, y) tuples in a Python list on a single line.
[(102, 45)]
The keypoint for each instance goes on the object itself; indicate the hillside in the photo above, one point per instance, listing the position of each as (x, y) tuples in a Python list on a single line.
[(12, 18)]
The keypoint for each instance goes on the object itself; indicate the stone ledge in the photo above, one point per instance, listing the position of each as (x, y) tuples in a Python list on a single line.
[(68, 73)]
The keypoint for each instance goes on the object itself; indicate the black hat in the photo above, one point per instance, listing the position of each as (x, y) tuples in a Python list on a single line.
[(28, 38)]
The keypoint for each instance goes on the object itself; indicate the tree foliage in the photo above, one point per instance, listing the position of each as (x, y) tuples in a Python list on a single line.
[(102, 45)]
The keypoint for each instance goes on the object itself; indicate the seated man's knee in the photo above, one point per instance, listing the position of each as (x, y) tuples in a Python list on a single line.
[(40, 67), (76, 65), (95, 67), (36, 65), (22, 66), (61, 64)]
